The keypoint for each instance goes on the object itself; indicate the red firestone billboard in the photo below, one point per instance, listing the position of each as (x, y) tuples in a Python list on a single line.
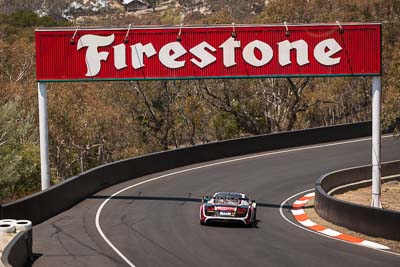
[(197, 52)]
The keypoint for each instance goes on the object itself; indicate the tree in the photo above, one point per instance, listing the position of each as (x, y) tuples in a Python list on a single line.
[(46, 8), (85, 128), (191, 5), (94, 123), (391, 94), (153, 4), (240, 10), (19, 152)]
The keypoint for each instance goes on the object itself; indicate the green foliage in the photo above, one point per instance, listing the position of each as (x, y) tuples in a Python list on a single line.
[(391, 107), (29, 19), (225, 126), (19, 27), (25, 19), (19, 152)]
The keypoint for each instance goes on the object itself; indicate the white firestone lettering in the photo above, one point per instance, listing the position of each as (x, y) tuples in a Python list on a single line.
[(203, 53), (301, 52), (93, 57), (138, 50), (266, 53), (205, 57), (228, 48), (325, 57), (169, 54), (119, 56)]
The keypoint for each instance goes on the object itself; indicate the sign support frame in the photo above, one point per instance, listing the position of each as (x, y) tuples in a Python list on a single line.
[(376, 142), (44, 136), (42, 89)]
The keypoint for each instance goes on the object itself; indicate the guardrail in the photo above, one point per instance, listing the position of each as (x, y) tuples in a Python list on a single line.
[(46, 204), (359, 218)]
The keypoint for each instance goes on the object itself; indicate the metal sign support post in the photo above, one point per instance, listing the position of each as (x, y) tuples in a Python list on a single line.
[(376, 142), (44, 138)]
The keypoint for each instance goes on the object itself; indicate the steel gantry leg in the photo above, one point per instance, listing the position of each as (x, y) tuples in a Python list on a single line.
[(44, 139), (376, 142)]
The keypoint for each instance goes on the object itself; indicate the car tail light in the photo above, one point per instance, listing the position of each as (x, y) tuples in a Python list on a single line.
[(241, 211), (209, 210)]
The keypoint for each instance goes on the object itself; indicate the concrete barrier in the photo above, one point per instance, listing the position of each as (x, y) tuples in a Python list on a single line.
[(46, 204), (18, 253), (359, 218)]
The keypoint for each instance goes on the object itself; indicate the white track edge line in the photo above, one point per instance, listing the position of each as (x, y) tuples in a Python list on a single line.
[(318, 233), (97, 219), (105, 237)]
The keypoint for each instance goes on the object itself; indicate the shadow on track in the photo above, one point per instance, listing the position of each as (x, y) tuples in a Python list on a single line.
[(193, 200), (178, 199)]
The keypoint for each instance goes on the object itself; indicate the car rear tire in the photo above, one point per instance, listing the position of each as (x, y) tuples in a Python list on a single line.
[(254, 221)]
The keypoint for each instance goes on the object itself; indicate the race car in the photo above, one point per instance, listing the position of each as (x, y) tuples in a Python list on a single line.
[(228, 207)]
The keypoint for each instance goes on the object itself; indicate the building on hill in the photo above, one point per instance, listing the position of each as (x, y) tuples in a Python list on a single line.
[(134, 5)]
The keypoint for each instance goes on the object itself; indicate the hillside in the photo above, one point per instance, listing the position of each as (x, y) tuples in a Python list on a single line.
[(95, 123)]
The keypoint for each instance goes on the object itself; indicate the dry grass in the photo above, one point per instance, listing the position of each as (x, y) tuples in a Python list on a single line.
[(390, 195)]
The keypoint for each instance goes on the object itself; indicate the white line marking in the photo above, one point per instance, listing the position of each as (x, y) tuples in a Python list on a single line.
[(104, 236), (318, 233), (97, 219)]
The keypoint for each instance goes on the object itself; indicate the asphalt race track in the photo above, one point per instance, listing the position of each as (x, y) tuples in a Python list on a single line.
[(157, 223)]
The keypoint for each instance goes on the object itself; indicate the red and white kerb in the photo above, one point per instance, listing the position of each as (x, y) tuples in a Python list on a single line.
[(302, 218)]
